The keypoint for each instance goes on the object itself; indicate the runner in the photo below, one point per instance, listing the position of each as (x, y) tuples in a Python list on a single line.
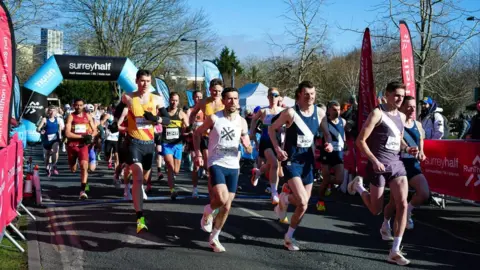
[(172, 147), (208, 106), (50, 127), (141, 108), (198, 121), (413, 137), (158, 150), (302, 123), (336, 138), (265, 146), (227, 130), (80, 130), (123, 168), (381, 141), (111, 150)]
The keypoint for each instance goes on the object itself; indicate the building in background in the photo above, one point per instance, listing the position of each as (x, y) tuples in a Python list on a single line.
[(51, 42)]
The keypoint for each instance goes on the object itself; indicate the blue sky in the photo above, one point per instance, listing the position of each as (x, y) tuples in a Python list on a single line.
[(245, 25)]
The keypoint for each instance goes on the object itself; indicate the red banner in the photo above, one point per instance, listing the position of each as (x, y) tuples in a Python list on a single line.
[(8, 171), (366, 94), (7, 70), (408, 65), (18, 169), (3, 156), (451, 173)]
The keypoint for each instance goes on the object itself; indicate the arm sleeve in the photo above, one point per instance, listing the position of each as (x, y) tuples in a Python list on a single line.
[(438, 129), (162, 113)]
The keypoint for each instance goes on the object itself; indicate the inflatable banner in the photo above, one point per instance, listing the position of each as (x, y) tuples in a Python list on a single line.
[(366, 94), (452, 174), (163, 90), (210, 72), (190, 98), (7, 72), (33, 111), (408, 64)]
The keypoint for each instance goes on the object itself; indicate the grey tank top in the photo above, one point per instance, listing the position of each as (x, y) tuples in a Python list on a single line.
[(384, 141)]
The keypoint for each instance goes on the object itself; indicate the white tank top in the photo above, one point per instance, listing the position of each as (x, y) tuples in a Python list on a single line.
[(224, 140)]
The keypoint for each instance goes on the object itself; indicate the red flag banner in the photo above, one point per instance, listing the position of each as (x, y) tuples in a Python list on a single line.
[(7, 70), (452, 174), (18, 169), (366, 94), (9, 201), (408, 65)]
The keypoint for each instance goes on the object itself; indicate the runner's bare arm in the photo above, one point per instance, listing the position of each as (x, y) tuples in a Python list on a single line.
[(68, 129), (197, 135), (127, 99), (285, 118), (344, 135), (121, 119), (185, 123), (373, 119), (92, 126), (195, 110), (244, 138), (421, 153), (326, 132), (253, 124)]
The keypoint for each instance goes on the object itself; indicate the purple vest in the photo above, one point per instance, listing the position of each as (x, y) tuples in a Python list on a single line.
[(384, 141)]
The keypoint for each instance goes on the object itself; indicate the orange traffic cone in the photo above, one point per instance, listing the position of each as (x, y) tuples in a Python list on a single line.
[(27, 191), (36, 183)]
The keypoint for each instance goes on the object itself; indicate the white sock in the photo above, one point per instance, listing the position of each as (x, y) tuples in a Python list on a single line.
[(207, 209), (410, 208), (386, 223), (290, 232), (396, 244), (215, 233), (273, 189), (360, 189)]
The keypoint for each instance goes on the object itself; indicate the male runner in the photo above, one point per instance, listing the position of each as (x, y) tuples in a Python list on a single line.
[(227, 130), (198, 121), (208, 106), (172, 147), (265, 150), (336, 138), (302, 123), (158, 130), (50, 127), (142, 107), (413, 137), (381, 141), (80, 130)]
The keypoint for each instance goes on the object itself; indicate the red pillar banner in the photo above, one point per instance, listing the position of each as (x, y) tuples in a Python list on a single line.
[(18, 169), (3, 189), (366, 94), (451, 173), (408, 64), (7, 70), (10, 204)]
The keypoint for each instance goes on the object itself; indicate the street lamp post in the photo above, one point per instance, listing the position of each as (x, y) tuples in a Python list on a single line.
[(473, 18), (196, 54)]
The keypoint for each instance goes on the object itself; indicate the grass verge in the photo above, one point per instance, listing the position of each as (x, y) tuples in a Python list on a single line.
[(10, 256)]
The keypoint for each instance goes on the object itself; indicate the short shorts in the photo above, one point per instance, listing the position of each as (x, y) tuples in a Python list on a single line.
[(412, 166), (293, 169), (204, 143), (263, 145), (331, 159), (92, 157), (393, 170), (175, 150), (140, 152), (122, 149), (76, 151), (222, 175)]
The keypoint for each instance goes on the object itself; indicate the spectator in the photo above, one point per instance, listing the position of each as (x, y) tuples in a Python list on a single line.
[(432, 120), (463, 126), (475, 129)]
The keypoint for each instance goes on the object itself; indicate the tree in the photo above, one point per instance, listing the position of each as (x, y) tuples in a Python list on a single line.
[(146, 31), (227, 62), (90, 91)]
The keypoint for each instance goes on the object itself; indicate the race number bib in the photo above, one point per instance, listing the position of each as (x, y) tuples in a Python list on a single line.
[(304, 141), (393, 143), (80, 129), (228, 151), (143, 123), (52, 137), (172, 133)]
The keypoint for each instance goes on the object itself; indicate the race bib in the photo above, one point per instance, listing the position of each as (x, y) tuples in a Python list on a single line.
[(172, 133), (393, 143), (52, 137), (143, 123), (304, 141), (197, 124), (228, 151), (80, 129)]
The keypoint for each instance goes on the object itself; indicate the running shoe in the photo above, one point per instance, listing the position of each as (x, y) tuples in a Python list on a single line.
[(173, 194), (397, 257), (328, 192), (64, 148), (216, 245), (83, 195), (48, 172), (87, 188), (268, 190), (352, 186), (141, 225), (145, 197), (206, 223), (386, 233), (290, 243), (110, 166), (409, 222), (281, 209), (255, 176), (286, 189), (275, 199), (55, 171), (98, 157), (195, 193), (321, 206), (160, 176)]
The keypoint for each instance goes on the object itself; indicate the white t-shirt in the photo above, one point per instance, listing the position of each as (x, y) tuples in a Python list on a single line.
[(224, 140)]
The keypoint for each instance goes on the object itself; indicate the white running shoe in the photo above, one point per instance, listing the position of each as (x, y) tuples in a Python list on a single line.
[(206, 223), (216, 245), (397, 257), (64, 149), (409, 222), (290, 243), (255, 176), (145, 197), (281, 209), (83, 195), (275, 199), (386, 233), (352, 186)]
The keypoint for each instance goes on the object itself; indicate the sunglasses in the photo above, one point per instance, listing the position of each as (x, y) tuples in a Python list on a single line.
[(274, 95)]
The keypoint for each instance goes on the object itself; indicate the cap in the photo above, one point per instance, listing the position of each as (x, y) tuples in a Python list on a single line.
[(89, 108), (67, 106), (427, 100)]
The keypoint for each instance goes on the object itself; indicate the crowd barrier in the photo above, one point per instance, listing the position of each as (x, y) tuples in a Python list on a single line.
[(11, 186)]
